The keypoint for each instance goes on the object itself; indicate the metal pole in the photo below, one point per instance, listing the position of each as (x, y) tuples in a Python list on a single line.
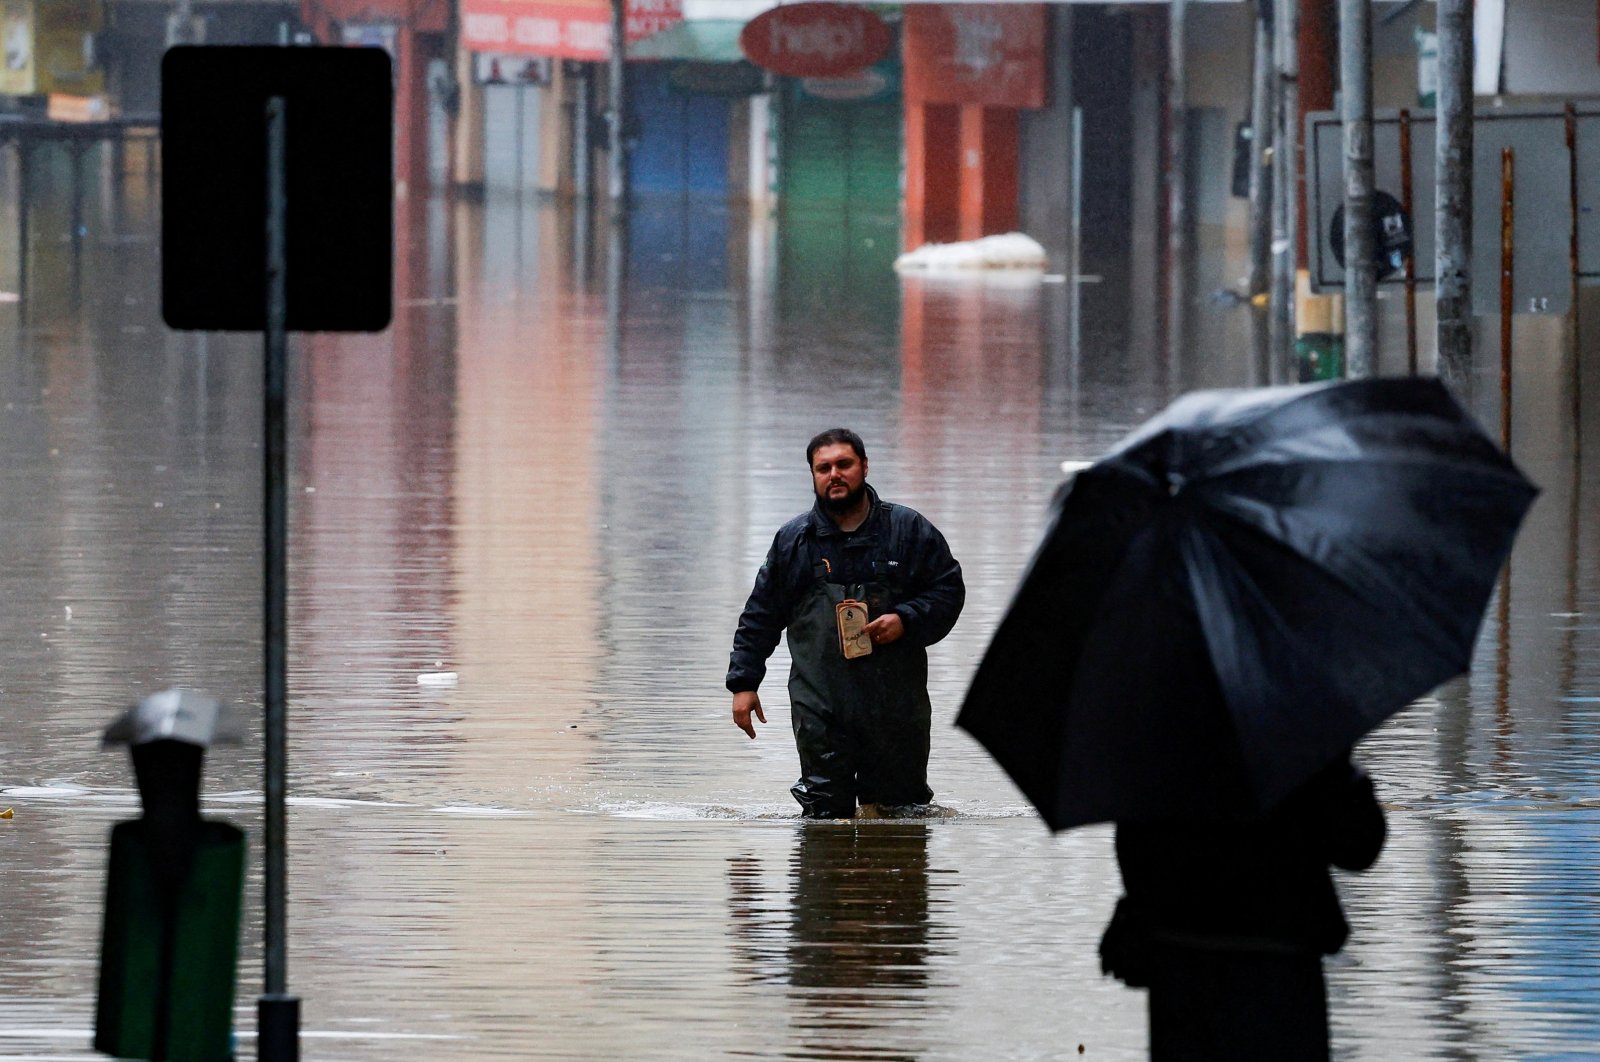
[(1360, 269), (1453, 217), (1411, 256), (1508, 223), (1261, 122), (1575, 320), (277, 1012), (1285, 185), (617, 164), (1177, 167)]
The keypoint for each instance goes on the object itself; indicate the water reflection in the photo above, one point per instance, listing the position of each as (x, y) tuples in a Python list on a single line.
[(858, 945)]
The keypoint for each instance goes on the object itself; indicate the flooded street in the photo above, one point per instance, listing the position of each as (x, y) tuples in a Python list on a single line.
[(555, 476)]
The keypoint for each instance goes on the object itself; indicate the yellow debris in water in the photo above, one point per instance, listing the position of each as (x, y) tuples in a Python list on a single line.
[(6, 814)]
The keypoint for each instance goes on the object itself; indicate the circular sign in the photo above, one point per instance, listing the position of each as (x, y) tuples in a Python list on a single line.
[(1391, 234), (816, 39)]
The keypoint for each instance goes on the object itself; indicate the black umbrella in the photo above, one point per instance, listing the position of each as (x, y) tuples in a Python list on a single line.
[(1238, 592)]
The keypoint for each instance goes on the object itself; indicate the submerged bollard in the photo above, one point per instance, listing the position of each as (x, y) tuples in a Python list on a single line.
[(170, 946)]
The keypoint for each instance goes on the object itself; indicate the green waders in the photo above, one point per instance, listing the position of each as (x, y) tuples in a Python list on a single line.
[(861, 725)]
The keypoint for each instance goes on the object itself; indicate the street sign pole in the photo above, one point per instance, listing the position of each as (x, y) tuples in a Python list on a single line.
[(278, 1016)]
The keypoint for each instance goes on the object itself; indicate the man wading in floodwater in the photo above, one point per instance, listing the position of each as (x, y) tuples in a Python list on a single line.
[(863, 587)]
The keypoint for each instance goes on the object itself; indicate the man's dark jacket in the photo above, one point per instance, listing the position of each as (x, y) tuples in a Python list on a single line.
[(926, 578)]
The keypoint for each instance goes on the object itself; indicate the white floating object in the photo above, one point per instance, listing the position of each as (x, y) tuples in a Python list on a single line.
[(1013, 250), (437, 678)]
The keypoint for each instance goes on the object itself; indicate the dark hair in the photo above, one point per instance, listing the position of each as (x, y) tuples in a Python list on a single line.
[(833, 436)]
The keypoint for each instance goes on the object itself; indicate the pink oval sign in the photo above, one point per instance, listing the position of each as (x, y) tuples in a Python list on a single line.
[(816, 39)]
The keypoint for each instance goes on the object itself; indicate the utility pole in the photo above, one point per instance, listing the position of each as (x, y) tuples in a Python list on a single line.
[(1262, 150), (1177, 171), (1453, 217), (1261, 214), (617, 163), (1360, 266), (1285, 184)]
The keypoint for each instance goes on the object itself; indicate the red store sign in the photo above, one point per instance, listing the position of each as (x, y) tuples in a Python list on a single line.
[(993, 54), (570, 29), (816, 39)]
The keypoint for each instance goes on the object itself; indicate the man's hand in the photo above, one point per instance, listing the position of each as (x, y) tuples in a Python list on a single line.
[(885, 629), (744, 704)]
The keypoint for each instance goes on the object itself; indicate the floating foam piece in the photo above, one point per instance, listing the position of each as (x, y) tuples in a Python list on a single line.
[(1012, 250), (437, 678)]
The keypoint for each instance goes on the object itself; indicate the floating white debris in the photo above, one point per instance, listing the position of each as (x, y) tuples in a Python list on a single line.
[(437, 678), (1072, 468), (10, 296), (478, 810), (1013, 250)]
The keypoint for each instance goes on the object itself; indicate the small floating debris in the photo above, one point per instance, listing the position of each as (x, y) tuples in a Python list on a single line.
[(7, 813), (1012, 250), (437, 678), (478, 810), (10, 296)]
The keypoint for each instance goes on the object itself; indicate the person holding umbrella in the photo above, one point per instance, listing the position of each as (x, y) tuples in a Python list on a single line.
[(862, 586), (1220, 609), (1226, 921)]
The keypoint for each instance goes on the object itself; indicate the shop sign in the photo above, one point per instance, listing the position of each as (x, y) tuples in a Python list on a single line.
[(993, 54), (49, 47), (498, 68), (864, 86), (16, 27), (571, 29), (695, 78), (816, 39)]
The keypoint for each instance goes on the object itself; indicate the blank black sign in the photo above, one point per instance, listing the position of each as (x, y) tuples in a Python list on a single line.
[(339, 176)]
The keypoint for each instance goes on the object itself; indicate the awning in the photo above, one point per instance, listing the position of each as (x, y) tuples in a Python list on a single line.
[(710, 40)]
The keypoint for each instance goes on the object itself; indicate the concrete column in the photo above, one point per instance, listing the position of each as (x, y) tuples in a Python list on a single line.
[(468, 145), (410, 116), (932, 194), (1144, 139), (987, 182), (760, 176), (554, 134), (1046, 192)]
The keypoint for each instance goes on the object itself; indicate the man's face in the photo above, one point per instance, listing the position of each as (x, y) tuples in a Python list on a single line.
[(838, 476)]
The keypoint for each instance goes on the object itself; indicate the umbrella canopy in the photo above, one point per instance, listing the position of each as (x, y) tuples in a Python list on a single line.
[(1238, 592)]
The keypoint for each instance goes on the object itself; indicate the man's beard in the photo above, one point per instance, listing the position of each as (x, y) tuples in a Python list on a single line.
[(839, 506)]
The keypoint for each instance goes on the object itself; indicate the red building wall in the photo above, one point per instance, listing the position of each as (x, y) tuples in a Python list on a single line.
[(969, 70)]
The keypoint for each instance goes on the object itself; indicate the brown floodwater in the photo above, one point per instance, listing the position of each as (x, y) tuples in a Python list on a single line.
[(555, 476)]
